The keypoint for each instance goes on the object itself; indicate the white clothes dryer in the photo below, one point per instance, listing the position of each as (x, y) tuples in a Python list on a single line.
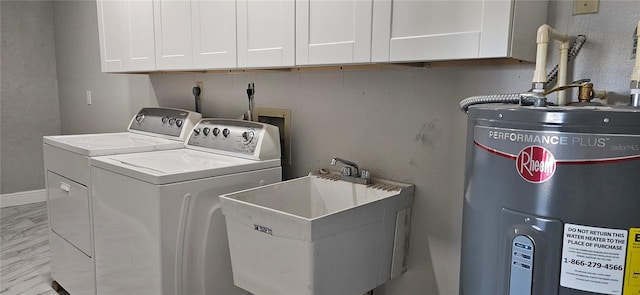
[(66, 162), (158, 224)]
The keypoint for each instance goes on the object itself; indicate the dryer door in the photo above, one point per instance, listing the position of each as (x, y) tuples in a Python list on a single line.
[(69, 211)]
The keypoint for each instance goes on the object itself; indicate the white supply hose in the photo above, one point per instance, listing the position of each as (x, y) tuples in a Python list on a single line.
[(635, 75), (544, 35), (573, 52), (562, 71)]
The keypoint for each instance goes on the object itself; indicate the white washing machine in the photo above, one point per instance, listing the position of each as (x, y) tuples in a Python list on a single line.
[(66, 162), (158, 224)]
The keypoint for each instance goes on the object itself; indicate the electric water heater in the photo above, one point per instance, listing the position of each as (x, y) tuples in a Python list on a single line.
[(552, 201)]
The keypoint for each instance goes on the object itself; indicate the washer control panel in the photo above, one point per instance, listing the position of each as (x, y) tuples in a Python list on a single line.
[(173, 123), (240, 138)]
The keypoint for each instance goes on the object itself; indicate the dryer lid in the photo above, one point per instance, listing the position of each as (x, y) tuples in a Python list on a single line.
[(101, 144)]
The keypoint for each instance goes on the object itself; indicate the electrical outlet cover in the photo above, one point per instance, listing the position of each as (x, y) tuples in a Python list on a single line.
[(585, 6)]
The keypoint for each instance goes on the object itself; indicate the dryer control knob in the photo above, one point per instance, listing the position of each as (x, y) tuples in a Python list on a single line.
[(196, 131), (225, 132), (216, 131), (205, 131)]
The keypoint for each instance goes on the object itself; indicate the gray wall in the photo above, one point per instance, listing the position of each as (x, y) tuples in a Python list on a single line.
[(29, 96), (402, 124), (115, 97)]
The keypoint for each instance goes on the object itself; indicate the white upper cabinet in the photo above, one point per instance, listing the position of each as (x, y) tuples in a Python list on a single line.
[(173, 34), (214, 34), (195, 34), (125, 30), (422, 30), (148, 35), (266, 33), (333, 32)]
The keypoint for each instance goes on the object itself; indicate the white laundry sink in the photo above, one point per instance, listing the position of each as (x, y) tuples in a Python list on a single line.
[(318, 235)]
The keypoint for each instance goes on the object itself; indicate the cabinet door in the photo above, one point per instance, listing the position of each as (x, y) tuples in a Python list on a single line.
[(409, 30), (172, 21), (112, 33), (140, 48), (214, 34), (125, 29), (266, 33), (333, 32)]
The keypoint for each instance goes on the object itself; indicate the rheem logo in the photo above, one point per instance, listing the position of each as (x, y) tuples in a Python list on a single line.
[(535, 164)]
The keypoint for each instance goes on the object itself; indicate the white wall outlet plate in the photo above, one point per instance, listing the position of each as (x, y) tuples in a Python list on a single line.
[(585, 6), (88, 94)]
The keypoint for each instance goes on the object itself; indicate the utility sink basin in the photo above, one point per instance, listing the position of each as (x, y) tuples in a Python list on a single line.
[(318, 235)]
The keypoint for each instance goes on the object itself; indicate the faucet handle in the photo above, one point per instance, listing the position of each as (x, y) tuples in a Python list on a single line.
[(346, 171), (365, 174)]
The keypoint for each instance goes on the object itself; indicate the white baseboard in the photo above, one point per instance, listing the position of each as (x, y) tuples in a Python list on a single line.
[(22, 198)]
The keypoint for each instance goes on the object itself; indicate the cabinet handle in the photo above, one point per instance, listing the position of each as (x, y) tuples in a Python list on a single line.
[(65, 187)]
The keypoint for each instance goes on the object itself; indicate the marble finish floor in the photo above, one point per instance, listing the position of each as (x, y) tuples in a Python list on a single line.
[(24, 250)]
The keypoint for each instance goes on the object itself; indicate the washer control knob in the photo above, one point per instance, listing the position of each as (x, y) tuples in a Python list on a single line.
[(179, 123), (247, 136), (216, 131), (196, 131), (225, 132), (205, 131), (172, 121), (164, 120), (139, 118)]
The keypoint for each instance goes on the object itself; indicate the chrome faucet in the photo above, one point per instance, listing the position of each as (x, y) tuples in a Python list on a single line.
[(352, 173), (348, 171)]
